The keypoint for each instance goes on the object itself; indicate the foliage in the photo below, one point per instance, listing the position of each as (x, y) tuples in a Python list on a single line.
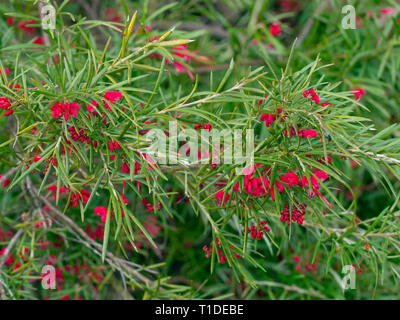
[(82, 192)]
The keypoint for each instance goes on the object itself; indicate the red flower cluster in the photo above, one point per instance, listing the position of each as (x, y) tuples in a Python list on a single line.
[(302, 133), (5, 104), (255, 186), (113, 96), (25, 28), (64, 108), (270, 118), (296, 214), (314, 96), (258, 233), (110, 96), (81, 136), (83, 196), (205, 126), (261, 186), (54, 190), (322, 176), (291, 179), (220, 196)]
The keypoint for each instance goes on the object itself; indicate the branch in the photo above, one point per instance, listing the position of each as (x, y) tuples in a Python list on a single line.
[(89, 240), (310, 292)]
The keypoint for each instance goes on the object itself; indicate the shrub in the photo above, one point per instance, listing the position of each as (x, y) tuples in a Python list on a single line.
[(85, 191)]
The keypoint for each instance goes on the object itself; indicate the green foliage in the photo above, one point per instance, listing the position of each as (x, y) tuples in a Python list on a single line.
[(151, 246)]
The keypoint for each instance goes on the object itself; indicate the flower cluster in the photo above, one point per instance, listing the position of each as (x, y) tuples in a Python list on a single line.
[(110, 97), (64, 108), (258, 232), (205, 126), (5, 104), (257, 186), (80, 196), (295, 214)]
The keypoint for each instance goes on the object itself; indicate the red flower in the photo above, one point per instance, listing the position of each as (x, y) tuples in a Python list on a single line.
[(101, 211), (125, 168), (10, 21), (54, 190), (275, 29), (291, 178), (5, 103), (66, 109), (295, 214), (38, 40), (113, 96), (388, 11), (220, 195), (7, 71), (258, 233), (322, 176), (358, 93), (79, 196), (268, 118), (308, 133), (314, 96), (24, 26)]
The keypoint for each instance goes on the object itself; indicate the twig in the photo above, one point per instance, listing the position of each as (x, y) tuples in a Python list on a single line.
[(9, 247), (310, 292), (204, 100)]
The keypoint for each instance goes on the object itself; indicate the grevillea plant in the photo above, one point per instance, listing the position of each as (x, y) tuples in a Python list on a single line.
[(81, 190)]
